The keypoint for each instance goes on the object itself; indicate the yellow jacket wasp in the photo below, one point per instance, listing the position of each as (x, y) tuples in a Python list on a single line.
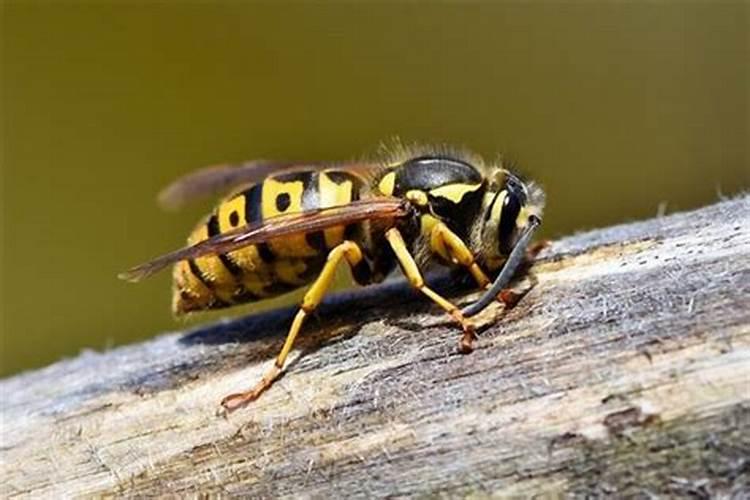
[(289, 225)]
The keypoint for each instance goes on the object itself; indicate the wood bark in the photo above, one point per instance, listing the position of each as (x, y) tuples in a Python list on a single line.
[(625, 371)]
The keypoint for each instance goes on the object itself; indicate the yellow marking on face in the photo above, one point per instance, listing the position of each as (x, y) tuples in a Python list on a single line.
[(289, 270), (231, 213), (497, 207), (333, 195), (292, 245), (387, 183), (455, 192), (417, 197)]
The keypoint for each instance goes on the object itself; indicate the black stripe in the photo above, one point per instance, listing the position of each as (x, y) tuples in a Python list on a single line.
[(316, 240), (265, 252), (213, 230), (234, 269), (254, 215), (339, 177), (213, 225), (254, 204), (488, 213), (199, 274), (216, 302), (350, 232), (292, 177)]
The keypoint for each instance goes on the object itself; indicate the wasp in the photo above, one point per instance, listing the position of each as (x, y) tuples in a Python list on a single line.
[(284, 226)]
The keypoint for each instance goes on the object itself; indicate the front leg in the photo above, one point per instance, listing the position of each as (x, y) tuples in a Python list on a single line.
[(412, 273), (448, 245)]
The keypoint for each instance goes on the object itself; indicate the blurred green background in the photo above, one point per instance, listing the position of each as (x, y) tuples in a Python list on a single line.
[(616, 108)]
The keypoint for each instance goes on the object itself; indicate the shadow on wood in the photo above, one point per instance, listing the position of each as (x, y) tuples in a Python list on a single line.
[(625, 371)]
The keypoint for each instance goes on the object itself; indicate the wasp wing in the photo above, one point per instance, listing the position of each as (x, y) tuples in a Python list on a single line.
[(214, 180), (276, 227), (217, 180)]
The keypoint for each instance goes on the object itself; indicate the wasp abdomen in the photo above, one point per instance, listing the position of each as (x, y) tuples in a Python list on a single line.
[(271, 268)]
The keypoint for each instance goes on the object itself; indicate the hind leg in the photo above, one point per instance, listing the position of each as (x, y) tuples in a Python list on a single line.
[(347, 250)]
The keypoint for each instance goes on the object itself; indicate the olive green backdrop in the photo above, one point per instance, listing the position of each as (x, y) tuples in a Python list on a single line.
[(618, 109)]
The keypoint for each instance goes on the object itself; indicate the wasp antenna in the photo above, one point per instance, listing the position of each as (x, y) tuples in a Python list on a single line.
[(509, 269)]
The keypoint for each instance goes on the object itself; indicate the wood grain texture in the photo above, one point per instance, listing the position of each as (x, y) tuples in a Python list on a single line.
[(625, 371)]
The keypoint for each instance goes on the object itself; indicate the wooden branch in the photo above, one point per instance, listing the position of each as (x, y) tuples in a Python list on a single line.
[(625, 371)]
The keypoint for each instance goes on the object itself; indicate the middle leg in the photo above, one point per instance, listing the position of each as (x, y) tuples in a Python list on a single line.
[(411, 270)]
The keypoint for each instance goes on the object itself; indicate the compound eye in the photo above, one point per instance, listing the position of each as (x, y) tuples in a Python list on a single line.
[(508, 215)]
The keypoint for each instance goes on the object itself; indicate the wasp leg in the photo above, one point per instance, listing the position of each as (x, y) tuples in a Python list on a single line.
[(447, 243), (346, 250), (410, 269)]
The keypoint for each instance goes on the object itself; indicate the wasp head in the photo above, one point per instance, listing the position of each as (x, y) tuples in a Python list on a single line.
[(510, 205)]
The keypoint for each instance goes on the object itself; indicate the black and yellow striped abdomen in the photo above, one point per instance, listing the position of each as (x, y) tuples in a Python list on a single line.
[(265, 270)]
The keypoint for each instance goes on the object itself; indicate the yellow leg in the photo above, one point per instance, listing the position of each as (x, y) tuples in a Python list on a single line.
[(346, 250), (447, 243), (414, 276)]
